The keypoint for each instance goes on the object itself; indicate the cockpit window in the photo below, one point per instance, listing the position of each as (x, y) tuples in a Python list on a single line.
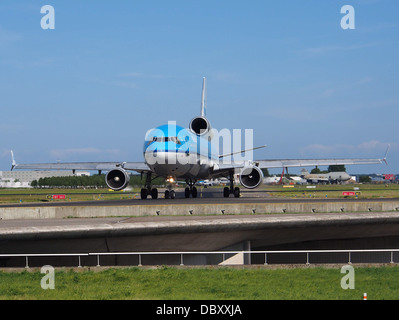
[(166, 139), (175, 140)]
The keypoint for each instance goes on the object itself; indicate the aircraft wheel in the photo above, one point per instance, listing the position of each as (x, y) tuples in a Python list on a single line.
[(226, 192), (167, 194), (194, 192), (154, 193), (172, 194), (187, 192), (236, 192), (143, 194)]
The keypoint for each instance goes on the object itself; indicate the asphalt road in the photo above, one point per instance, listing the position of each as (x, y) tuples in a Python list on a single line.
[(248, 198)]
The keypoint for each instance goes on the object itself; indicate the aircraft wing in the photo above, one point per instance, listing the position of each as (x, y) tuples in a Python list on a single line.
[(277, 163), (222, 170), (287, 163), (98, 166)]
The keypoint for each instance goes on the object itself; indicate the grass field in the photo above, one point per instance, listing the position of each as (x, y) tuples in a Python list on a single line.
[(169, 283), (367, 191), (42, 195)]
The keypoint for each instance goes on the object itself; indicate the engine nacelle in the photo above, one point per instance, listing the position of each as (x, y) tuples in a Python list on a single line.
[(117, 179), (251, 177), (200, 126)]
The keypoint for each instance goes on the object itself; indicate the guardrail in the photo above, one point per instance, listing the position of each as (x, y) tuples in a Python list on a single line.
[(265, 256), (27, 255)]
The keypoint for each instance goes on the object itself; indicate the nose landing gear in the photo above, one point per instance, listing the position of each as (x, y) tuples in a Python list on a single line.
[(170, 194), (191, 189)]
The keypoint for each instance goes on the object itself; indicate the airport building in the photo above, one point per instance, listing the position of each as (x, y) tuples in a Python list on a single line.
[(23, 179)]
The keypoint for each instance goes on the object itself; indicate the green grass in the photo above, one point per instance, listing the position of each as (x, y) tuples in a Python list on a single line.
[(169, 283), (41, 195), (368, 191)]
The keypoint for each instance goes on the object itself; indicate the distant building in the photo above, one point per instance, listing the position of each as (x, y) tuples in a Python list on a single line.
[(23, 179)]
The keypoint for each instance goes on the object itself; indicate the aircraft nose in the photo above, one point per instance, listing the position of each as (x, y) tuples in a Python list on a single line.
[(153, 157), (161, 157)]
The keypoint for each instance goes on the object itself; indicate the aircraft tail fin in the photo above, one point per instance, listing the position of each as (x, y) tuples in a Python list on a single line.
[(304, 172), (386, 155), (203, 98), (13, 163)]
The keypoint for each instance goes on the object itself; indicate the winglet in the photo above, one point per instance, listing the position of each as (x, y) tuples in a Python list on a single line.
[(13, 164), (386, 154)]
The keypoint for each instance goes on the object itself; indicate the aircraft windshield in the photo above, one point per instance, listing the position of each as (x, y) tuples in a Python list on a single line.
[(166, 139)]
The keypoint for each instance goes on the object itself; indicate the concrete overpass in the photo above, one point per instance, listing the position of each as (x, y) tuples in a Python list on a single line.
[(208, 206), (342, 230)]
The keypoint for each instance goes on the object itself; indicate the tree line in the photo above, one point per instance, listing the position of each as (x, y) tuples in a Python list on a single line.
[(94, 181), (331, 168)]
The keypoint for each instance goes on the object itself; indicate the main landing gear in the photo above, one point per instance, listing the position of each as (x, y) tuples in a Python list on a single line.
[(145, 192), (190, 190), (235, 191)]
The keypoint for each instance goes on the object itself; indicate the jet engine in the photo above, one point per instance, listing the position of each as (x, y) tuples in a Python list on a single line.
[(251, 177), (200, 126), (117, 179)]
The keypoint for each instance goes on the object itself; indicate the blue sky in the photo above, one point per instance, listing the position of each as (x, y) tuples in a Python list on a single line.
[(110, 70)]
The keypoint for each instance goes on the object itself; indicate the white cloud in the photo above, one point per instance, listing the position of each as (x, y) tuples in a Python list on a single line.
[(372, 145)]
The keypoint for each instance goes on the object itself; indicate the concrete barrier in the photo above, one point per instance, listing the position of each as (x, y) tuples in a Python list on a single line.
[(196, 209)]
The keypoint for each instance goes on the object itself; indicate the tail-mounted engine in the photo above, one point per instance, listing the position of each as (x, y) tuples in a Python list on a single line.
[(200, 126), (117, 179), (251, 177)]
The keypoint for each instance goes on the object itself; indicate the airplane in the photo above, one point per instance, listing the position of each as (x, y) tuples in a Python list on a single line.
[(331, 177), (205, 183), (191, 154)]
